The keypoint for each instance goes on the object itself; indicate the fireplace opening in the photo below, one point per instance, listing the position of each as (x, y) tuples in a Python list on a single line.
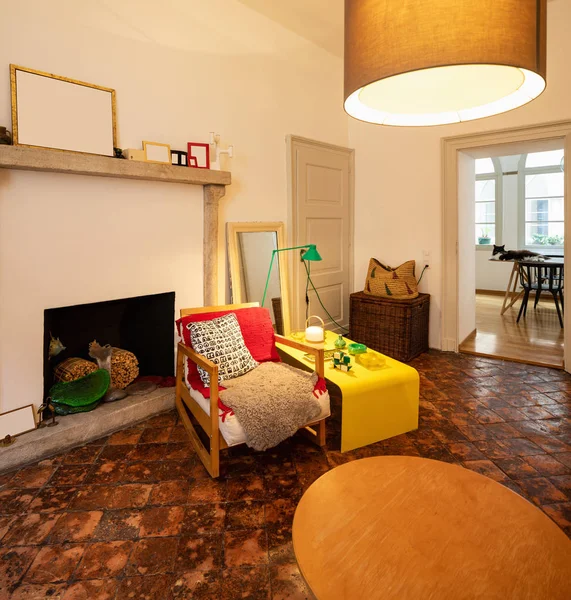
[(143, 325)]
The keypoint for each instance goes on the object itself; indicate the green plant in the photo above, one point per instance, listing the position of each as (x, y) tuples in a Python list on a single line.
[(555, 240), (484, 235), (539, 239)]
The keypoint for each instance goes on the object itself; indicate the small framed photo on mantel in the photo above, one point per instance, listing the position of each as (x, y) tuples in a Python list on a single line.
[(179, 158), (198, 155), (155, 152)]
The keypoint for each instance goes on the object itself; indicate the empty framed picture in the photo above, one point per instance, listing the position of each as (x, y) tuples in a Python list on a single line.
[(51, 111), (157, 153), (199, 155), (15, 422)]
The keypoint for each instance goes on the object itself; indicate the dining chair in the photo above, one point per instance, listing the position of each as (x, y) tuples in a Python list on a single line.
[(541, 277)]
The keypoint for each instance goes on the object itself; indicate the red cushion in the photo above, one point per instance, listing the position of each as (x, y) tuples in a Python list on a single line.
[(257, 330)]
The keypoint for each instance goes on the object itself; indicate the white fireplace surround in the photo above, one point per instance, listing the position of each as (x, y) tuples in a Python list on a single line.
[(68, 238)]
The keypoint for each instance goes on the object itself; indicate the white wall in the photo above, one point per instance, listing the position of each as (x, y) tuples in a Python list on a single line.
[(466, 260), (495, 275), (491, 275), (398, 173), (180, 69)]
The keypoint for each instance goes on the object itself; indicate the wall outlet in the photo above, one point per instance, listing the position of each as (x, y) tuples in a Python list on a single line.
[(426, 258)]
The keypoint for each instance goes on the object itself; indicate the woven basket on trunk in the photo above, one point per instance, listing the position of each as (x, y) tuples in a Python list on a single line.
[(398, 283)]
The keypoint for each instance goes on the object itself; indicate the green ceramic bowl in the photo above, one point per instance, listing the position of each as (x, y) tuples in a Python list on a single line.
[(357, 348)]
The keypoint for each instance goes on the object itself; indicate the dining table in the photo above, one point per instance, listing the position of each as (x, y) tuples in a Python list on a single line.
[(513, 294)]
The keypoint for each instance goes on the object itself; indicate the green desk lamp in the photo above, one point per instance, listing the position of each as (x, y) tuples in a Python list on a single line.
[(311, 253)]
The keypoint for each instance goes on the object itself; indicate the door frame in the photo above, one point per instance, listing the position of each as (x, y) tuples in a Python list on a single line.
[(450, 146), (292, 143)]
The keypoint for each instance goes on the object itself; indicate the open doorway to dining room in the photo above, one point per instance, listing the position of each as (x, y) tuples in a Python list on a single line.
[(510, 197), (519, 206)]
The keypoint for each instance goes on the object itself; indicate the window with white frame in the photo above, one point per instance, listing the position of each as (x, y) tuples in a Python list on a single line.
[(543, 225), (487, 201)]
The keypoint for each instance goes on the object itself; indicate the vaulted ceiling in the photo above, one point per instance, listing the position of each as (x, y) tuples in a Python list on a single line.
[(320, 21)]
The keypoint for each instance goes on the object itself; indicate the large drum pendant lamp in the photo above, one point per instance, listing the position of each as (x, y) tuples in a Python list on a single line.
[(432, 62)]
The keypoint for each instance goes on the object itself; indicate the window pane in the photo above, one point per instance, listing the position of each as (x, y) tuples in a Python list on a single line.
[(485, 212), (544, 159), (544, 209), (544, 234), (485, 190), (484, 165), (547, 184)]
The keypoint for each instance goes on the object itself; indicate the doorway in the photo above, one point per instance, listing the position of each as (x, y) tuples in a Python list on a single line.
[(321, 200), (518, 202), (467, 314)]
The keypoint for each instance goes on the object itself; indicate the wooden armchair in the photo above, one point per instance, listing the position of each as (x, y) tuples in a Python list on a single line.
[(210, 456)]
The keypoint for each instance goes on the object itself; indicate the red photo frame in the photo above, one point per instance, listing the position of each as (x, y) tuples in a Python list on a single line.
[(198, 155)]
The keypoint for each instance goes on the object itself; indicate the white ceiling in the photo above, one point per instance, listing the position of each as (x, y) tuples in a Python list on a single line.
[(320, 21)]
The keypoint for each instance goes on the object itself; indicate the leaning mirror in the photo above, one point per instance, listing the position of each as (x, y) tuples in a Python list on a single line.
[(250, 248)]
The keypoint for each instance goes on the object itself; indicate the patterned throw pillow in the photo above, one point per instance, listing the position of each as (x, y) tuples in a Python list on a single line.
[(221, 341), (398, 284)]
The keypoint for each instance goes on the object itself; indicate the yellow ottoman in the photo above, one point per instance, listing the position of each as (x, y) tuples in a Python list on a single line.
[(376, 404)]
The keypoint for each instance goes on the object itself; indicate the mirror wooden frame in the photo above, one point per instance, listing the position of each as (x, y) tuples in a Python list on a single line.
[(236, 283)]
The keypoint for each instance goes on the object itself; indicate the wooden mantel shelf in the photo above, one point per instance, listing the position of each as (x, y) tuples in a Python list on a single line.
[(55, 161), (213, 185)]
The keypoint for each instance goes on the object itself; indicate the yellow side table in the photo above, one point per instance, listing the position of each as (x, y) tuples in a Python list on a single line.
[(376, 404)]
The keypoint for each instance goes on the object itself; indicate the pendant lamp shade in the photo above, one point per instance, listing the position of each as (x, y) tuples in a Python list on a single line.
[(432, 62)]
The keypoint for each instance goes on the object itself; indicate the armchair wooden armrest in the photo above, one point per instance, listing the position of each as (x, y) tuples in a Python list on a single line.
[(212, 370), (318, 352), (199, 359)]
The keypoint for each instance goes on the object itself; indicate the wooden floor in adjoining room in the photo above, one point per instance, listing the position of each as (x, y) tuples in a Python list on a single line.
[(536, 339)]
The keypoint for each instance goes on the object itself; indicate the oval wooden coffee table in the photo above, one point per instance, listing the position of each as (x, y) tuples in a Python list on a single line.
[(397, 527)]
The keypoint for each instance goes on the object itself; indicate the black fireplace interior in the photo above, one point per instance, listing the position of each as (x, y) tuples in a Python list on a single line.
[(143, 325)]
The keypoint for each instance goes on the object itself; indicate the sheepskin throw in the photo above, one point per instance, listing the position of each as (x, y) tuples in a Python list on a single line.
[(272, 402), (221, 341)]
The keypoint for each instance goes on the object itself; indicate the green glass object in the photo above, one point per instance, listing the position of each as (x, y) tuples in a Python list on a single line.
[(83, 394), (64, 409), (340, 342), (357, 348)]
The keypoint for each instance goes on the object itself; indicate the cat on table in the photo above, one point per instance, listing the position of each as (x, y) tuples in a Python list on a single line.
[(516, 254)]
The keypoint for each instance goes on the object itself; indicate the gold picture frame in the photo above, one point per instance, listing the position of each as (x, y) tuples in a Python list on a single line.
[(23, 138), (155, 148)]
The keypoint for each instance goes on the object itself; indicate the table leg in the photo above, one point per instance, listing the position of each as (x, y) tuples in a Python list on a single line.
[(512, 295)]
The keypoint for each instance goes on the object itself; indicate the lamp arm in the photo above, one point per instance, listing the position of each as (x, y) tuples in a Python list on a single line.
[(294, 248), (274, 252)]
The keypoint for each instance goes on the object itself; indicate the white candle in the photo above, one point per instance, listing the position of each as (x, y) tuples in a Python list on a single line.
[(314, 333)]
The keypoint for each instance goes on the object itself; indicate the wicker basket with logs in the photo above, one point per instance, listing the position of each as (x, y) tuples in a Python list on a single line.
[(122, 364), (71, 369), (124, 368)]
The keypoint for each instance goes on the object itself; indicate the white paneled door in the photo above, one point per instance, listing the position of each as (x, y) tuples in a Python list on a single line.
[(321, 213)]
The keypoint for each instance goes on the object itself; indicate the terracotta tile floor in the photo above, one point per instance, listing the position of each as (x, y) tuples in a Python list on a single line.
[(135, 515)]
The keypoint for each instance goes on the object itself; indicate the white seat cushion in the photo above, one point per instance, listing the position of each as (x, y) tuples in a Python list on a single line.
[(230, 427)]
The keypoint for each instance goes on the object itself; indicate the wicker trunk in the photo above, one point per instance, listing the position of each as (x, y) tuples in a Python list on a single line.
[(397, 328)]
